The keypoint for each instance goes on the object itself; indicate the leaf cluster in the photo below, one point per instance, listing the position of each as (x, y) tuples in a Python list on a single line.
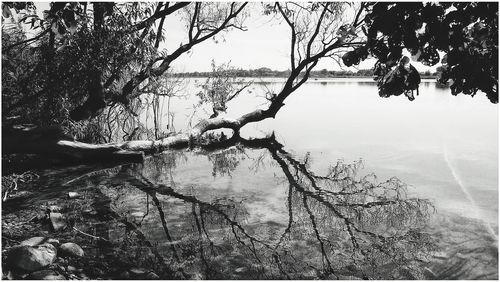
[(463, 36)]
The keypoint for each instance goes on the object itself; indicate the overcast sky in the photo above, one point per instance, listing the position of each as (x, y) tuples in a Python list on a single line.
[(266, 43)]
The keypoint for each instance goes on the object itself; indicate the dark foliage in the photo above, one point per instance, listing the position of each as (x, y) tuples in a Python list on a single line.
[(467, 34)]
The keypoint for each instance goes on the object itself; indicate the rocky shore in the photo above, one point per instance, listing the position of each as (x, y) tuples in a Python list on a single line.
[(52, 240)]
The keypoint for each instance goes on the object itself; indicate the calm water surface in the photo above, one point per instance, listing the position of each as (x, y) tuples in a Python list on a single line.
[(446, 146), (301, 207)]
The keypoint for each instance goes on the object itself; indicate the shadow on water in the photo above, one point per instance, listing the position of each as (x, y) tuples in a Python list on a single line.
[(335, 225)]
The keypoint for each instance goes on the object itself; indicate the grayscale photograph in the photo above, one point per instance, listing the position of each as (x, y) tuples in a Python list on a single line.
[(249, 140)]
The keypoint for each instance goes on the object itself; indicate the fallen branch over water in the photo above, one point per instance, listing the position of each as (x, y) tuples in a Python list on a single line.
[(52, 142)]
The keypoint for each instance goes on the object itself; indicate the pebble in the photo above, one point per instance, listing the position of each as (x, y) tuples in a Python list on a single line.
[(45, 274), (137, 214), (124, 275), (8, 276), (73, 195), (83, 276), (97, 272), (196, 276), (89, 212), (71, 250), (152, 276), (137, 271), (57, 220), (240, 269), (54, 208)]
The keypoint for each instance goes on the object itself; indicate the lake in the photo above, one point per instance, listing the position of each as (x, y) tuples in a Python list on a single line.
[(353, 187), (446, 146)]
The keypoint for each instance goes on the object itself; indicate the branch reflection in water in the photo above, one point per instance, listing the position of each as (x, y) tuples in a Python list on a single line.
[(339, 225)]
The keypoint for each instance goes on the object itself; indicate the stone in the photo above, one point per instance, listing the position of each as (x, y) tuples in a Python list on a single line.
[(73, 195), (71, 268), (31, 258), (196, 276), (59, 268), (136, 271), (151, 276), (54, 208), (124, 275), (97, 272), (83, 276), (240, 269), (346, 277), (45, 274), (57, 220), (137, 214), (89, 212), (8, 276), (35, 241), (71, 250)]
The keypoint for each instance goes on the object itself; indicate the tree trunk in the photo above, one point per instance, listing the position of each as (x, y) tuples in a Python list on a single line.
[(52, 142)]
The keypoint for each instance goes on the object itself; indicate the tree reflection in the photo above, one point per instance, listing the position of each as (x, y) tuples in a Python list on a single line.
[(226, 161), (339, 226)]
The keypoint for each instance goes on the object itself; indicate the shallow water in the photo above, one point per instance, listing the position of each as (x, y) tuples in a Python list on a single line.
[(262, 211)]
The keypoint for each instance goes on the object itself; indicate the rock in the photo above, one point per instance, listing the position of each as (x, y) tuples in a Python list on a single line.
[(45, 274), (57, 220), (151, 276), (71, 268), (136, 271), (124, 275), (19, 195), (346, 277), (429, 274), (71, 250), (73, 277), (83, 276), (35, 241), (31, 258), (89, 212), (137, 214), (73, 195), (54, 208), (8, 276), (240, 269), (96, 272), (59, 268), (196, 276)]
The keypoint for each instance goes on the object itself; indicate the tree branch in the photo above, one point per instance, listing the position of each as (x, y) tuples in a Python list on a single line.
[(8, 48), (159, 14), (316, 31), (294, 36)]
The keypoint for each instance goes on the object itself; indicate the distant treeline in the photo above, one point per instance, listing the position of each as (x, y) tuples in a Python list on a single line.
[(267, 72)]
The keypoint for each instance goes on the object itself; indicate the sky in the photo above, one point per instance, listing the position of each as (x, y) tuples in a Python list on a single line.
[(266, 43)]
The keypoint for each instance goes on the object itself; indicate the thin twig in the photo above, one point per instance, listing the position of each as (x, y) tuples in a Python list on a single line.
[(92, 236)]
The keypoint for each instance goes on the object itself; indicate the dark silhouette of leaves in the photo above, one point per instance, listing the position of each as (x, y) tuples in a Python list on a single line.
[(466, 32)]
